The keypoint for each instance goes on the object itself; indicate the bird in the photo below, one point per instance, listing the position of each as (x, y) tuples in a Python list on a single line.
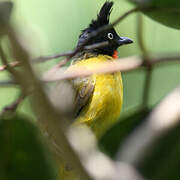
[(99, 97)]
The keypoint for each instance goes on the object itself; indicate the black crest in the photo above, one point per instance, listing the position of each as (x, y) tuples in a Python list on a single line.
[(110, 35), (103, 16), (102, 19)]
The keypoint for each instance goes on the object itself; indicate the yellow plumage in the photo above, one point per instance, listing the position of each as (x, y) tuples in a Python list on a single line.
[(99, 99), (103, 106)]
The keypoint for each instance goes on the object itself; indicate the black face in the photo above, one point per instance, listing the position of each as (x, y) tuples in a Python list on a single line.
[(114, 41), (110, 36)]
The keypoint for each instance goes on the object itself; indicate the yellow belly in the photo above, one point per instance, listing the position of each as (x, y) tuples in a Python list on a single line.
[(104, 107)]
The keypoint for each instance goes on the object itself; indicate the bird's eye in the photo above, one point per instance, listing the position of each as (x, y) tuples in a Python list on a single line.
[(110, 35)]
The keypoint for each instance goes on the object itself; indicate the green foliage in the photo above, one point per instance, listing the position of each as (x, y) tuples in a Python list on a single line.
[(22, 154), (166, 12), (113, 139), (58, 24), (161, 158)]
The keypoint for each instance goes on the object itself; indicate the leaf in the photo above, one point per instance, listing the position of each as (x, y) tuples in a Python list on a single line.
[(22, 154), (112, 140), (166, 12), (161, 160)]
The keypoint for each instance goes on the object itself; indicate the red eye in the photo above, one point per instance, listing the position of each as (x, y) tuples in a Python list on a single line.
[(110, 35)]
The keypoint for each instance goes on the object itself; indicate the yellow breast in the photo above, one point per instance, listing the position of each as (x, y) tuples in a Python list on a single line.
[(104, 106)]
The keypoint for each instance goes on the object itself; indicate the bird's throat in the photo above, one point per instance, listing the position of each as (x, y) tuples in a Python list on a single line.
[(115, 54)]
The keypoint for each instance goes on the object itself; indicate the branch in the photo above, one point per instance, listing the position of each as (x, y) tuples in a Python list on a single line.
[(93, 159), (9, 67), (89, 47), (46, 114), (13, 106), (12, 64), (122, 64), (5, 61), (125, 64), (164, 59), (146, 58), (46, 58), (140, 35)]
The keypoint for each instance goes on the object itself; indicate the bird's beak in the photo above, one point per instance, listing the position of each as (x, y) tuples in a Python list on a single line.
[(124, 40)]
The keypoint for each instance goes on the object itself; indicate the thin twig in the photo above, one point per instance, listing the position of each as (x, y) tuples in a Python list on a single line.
[(12, 71), (5, 61), (166, 59), (140, 35), (127, 13), (89, 47), (13, 106), (147, 87), (146, 59), (46, 58), (12, 64)]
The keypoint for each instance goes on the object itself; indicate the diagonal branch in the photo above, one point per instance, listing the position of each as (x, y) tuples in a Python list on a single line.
[(47, 116)]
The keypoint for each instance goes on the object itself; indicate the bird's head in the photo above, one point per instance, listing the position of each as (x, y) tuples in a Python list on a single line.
[(114, 40)]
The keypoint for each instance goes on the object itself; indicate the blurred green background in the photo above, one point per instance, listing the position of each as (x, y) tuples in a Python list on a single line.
[(50, 27)]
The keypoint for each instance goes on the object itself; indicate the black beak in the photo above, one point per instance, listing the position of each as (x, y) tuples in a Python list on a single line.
[(124, 40)]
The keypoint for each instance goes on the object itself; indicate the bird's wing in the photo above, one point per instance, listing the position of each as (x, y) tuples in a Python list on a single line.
[(84, 88)]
